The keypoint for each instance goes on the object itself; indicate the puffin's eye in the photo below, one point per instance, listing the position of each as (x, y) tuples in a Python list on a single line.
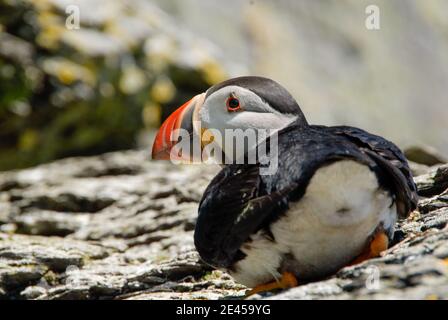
[(233, 104)]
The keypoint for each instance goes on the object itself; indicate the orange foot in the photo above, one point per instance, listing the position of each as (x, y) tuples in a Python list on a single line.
[(379, 243), (288, 280)]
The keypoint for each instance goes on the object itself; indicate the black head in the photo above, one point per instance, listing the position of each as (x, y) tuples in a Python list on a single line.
[(267, 89)]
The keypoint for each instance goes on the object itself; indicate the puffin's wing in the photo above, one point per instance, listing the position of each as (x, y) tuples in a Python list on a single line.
[(239, 201), (390, 159), (231, 210)]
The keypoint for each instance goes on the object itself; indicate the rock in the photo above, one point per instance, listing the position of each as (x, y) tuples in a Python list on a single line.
[(49, 223), (28, 260), (88, 90), (434, 182), (118, 226), (418, 169), (33, 292), (425, 155)]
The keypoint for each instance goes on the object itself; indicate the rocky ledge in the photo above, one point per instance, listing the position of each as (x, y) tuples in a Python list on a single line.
[(120, 226)]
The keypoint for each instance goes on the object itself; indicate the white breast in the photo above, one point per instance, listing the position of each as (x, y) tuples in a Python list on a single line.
[(325, 230)]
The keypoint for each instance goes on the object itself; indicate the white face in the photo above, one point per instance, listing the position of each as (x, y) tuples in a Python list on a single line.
[(253, 112), (233, 107)]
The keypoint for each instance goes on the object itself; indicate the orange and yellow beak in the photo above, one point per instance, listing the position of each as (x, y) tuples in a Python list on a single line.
[(186, 117)]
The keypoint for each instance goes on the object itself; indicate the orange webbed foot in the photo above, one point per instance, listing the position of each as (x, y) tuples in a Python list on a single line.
[(379, 243), (288, 280)]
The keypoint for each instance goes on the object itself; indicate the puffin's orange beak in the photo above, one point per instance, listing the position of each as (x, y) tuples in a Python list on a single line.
[(183, 118)]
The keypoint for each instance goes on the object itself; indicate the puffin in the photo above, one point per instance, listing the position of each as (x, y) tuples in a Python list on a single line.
[(332, 201)]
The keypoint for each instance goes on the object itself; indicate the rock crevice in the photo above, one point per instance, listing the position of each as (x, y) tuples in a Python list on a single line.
[(119, 226)]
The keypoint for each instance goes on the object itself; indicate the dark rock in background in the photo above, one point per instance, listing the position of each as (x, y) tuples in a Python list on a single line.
[(68, 92), (424, 155), (90, 90), (119, 226)]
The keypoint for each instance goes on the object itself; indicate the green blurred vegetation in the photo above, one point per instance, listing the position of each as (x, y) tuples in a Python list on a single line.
[(92, 90)]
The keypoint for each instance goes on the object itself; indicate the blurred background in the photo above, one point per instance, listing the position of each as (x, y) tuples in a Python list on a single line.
[(107, 85)]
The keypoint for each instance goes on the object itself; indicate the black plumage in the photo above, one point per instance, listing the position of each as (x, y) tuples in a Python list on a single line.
[(239, 201), (242, 212), (270, 91)]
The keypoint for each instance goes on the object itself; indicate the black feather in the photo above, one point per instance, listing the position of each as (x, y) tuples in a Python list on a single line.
[(239, 201)]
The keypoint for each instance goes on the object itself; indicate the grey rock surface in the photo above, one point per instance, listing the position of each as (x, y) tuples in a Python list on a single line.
[(119, 226)]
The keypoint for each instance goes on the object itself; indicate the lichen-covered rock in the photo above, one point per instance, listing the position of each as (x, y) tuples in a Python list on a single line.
[(119, 226), (68, 91)]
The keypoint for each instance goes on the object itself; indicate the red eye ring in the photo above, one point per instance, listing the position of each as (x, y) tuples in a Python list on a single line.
[(233, 104)]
